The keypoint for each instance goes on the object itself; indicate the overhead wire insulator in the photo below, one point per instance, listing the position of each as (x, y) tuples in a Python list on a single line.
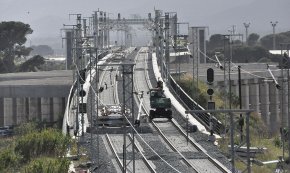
[(276, 83), (82, 76)]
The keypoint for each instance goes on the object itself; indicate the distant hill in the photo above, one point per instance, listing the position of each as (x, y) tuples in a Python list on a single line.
[(47, 17)]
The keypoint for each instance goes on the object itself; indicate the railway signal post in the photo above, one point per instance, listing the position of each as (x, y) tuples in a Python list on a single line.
[(210, 103)]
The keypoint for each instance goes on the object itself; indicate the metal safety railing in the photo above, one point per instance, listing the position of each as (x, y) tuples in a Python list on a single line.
[(189, 103)]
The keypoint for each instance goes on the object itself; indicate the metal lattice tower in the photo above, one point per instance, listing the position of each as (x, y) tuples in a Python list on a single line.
[(284, 94), (127, 109), (121, 26), (193, 37), (160, 42), (101, 30), (157, 33), (69, 45), (173, 25), (96, 29), (167, 54), (78, 57), (128, 103)]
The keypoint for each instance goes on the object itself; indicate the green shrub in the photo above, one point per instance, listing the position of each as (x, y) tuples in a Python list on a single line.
[(198, 94), (8, 159), (30, 149), (25, 128), (49, 142), (47, 165), (277, 142)]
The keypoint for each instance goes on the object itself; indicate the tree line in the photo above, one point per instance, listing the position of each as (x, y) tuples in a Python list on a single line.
[(13, 36), (256, 49)]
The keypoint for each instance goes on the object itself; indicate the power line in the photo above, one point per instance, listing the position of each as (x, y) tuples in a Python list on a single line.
[(233, 64)]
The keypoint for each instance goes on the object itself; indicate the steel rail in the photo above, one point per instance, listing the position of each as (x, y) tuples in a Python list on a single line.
[(155, 126), (114, 152), (215, 162)]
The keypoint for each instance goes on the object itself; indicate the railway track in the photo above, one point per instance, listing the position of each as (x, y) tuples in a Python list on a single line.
[(108, 82), (192, 154), (114, 151), (142, 85), (115, 141), (178, 155)]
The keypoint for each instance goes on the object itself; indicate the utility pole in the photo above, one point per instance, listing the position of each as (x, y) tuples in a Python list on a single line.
[(80, 39), (210, 103), (241, 120), (231, 44), (226, 41), (274, 34), (85, 27), (109, 27), (234, 29), (128, 83), (198, 45), (247, 25), (167, 53), (96, 29), (288, 83), (285, 64), (78, 59), (101, 30), (157, 39)]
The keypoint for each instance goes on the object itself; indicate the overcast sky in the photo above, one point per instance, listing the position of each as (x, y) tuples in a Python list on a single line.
[(46, 17)]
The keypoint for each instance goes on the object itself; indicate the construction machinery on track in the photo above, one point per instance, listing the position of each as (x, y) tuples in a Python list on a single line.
[(160, 105)]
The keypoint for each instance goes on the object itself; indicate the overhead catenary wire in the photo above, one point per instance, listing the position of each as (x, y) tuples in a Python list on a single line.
[(91, 85), (133, 128), (143, 140), (233, 64), (147, 143), (236, 66)]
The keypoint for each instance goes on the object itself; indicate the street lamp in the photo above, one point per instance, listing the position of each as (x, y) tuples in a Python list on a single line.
[(247, 25), (274, 35)]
